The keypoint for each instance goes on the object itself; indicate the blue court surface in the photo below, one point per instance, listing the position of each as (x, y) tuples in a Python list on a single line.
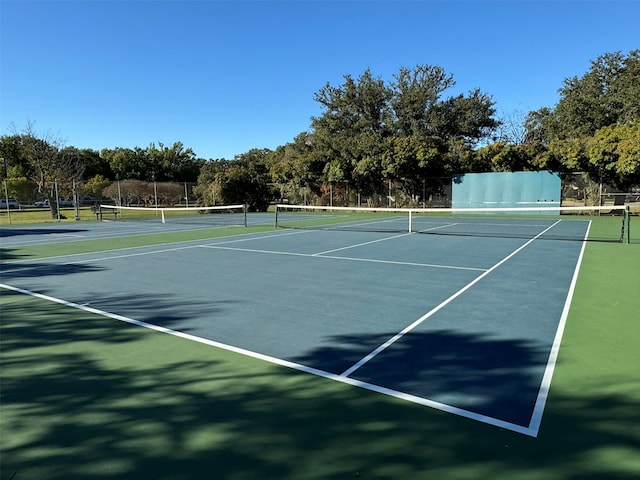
[(467, 325)]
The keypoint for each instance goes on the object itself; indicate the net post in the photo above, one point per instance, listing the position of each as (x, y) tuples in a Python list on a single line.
[(627, 224), (275, 225), (410, 222), (162, 214), (244, 214)]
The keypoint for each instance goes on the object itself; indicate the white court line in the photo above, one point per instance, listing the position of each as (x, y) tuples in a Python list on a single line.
[(332, 257), (536, 419), (437, 228), (186, 247), (373, 222), (285, 363), (198, 242), (98, 259), (261, 237), (173, 249), (413, 264), (430, 313), (361, 244), (545, 385)]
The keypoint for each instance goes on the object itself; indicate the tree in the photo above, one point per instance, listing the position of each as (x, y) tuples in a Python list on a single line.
[(205, 189), (469, 118), (614, 155), (48, 166), (243, 180), (295, 170), (517, 158), (15, 167), (126, 163), (435, 136), (154, 163), (95, 186), (415, 95), (130, 192), (416, 163), (540, 126), (174, 163), (350, 135), (371, 132), (594, 126), (512, 128), (93, 163), (15, 163), (569, 155), (606, 95)]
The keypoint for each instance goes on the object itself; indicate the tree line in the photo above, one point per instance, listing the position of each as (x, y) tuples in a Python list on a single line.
[(371, 133)]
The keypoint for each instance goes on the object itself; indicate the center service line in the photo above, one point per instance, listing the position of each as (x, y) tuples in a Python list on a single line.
[(360, 244), (398, 336)]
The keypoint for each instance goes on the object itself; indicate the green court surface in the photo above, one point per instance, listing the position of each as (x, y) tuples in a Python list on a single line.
[(85, 396)]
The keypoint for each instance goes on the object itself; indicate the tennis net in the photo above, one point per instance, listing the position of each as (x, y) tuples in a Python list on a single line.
[(225, 215), (609, 223)]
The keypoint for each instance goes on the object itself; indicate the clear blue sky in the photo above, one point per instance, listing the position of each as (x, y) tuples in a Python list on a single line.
[(223, 77)]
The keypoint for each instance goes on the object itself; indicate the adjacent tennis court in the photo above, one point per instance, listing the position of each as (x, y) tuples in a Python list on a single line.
[(467, 322)]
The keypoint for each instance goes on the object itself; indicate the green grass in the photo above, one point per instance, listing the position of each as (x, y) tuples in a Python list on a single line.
[(88, 397), (29, 216), (88, 246)]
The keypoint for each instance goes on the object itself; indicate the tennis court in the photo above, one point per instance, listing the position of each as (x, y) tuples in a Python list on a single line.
[(332, 352), (467, 325)]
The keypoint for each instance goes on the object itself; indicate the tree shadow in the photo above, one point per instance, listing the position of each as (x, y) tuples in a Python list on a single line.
[(38, 269), (160, 309), (498, 378), (14, 232), (9, 254), (87, 397), (56, 279)]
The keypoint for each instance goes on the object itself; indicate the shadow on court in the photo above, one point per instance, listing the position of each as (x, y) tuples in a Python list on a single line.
[(157, 309), (9, 254), (14, 232), (35, 270), (488, 376), (87, 397)]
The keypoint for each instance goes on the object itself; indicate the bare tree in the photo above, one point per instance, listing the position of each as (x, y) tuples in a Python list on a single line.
[(51, 169), (512, 128)]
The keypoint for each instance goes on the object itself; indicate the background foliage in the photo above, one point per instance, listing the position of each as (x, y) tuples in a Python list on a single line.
[(371, 134)]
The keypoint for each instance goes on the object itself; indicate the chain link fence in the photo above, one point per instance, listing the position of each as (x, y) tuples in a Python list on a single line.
[(577, 189)]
